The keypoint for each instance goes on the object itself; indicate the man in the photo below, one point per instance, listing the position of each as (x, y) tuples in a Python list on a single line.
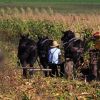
[(54, 58)]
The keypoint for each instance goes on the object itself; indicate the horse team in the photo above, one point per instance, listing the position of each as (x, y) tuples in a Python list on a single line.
[(29, 51)]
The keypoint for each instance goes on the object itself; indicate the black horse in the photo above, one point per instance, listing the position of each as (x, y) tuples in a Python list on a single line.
[(73, 49), (27, 53), (43, 46)]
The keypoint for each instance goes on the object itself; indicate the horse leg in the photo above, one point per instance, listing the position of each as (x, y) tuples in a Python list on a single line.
[(56, 70), (95, 71), (24, 70), (31, 70), (45, 72), (66, 70), (45, 67), (44, 64), (62, 70), (69, 69)]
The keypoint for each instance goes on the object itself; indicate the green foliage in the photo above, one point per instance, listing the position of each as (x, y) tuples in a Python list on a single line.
[(98, 93), (14, 27), (25, 97), (87, 34), (38, 87)]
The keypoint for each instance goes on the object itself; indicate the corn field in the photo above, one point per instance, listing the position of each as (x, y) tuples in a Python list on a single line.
[(44, 22)]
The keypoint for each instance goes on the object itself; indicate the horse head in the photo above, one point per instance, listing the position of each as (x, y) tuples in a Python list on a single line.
[(67, 35), (43, 46)]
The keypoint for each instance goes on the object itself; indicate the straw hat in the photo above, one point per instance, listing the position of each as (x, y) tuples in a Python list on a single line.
[(55, 44)]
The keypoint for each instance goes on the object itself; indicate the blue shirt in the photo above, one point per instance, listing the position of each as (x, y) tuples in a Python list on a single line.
[(54, 55)]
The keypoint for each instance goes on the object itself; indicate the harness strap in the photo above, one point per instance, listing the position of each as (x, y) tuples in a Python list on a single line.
[(44, 41), (71, 40), (52, 54)]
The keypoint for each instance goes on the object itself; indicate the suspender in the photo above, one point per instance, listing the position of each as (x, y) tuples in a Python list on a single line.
[(52, 54)]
